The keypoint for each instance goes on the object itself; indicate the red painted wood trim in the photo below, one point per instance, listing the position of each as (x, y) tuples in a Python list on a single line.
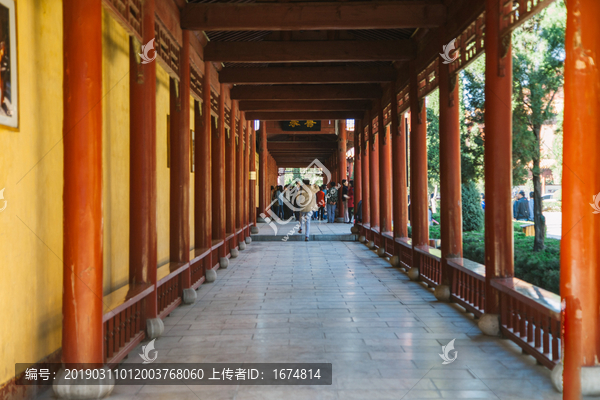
[(143, 292), (125, 350), (198, 283), (169, 309), (173, 273)]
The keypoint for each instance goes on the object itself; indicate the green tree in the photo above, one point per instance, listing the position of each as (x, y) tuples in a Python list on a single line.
[(433, 141), (472, 103), (472, 213), (538, 59)]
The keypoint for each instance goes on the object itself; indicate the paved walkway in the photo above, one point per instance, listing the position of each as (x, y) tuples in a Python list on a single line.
[(337, 302), (316, 228)]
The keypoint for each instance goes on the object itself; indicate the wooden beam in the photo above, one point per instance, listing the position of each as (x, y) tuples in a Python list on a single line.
[(305, 105), (297, 75), (303, 146), (302, 115), (307, 92), (313, 15), (310, 51)]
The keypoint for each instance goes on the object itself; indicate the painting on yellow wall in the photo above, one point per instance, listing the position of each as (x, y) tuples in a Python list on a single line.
[(9, 113)]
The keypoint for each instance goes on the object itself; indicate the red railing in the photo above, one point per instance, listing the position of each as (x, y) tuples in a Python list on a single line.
[(468, 284), (530, 316), (430, 266), (388, 243), (405, 252), (123, 320), (198, 261), (169, 290)]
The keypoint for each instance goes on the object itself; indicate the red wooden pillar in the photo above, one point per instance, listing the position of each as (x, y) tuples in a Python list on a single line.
[(580, 254), (418, 171), (82, 338), (400, 213), (341, 164), (203, 174), (247, 182), (365, 164), (263, 198), (450, 190), (240, 197), (230, 182), (252, 183), (357, 164), (498, 163), (179, 204), (385, 178), (374, 172), (142, 167), (218, 180)]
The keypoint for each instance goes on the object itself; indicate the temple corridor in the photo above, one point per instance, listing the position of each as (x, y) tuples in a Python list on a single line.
[(337, 302)]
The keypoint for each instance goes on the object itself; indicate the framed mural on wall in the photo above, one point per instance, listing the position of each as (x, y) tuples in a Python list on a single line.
[(9, 113)]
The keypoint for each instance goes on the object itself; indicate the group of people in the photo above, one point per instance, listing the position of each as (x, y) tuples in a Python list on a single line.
[(305, 202), (523, 207)]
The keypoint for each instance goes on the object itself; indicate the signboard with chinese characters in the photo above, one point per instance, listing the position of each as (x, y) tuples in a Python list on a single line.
[(298, 126)]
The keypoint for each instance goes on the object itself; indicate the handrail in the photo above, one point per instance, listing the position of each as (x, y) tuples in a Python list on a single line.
[(198, 254), (168, 271), (125, 296), (539, 299)]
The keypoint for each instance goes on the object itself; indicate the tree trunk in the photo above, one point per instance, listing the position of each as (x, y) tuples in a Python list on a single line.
[(538, 218)]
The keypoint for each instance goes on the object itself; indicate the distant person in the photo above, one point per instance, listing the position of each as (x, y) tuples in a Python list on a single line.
[(351, 202), (332, 199), (321, 203), (483, 201), (308, 207), (522, 207), (345, 200), (531, 204)]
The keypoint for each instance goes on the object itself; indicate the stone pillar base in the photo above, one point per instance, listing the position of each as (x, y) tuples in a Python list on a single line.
[(248, 240), (413, 274), (154, 328), (242, 245), (81, 388), (381, 251), (395, 261), (339, 219), (261, 220), (354, 229), (254, 229), (362, 239), (211, 275), (189, 296), (235, 253), (223, 262), (590, 379), (442, 293), (490, 324), (371, 244)]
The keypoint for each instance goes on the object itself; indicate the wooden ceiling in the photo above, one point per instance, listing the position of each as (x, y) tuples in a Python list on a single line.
[(315, 60)]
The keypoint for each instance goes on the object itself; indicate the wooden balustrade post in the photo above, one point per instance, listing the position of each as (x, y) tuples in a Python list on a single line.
[(142, 173), (82, 333), (218, 182), (179, 204), (230, 182), (366, 187), (498, 163), (418, 172), (450, 189), (385, 179), (579, 254)]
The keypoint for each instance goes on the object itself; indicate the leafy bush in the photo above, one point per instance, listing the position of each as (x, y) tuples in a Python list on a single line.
[(472, 213), (538, 268)]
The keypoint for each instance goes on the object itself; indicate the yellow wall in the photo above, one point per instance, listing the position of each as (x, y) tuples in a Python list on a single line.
[(162, 172), (31, 171), (191, 176), (115, 152)]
